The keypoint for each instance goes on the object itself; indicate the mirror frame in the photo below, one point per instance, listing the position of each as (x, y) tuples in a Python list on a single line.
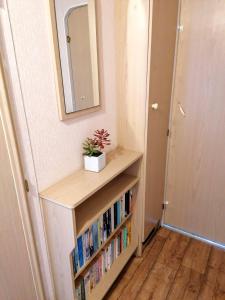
[(58, 70)]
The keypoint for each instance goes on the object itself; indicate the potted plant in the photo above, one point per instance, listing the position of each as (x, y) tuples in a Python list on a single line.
[(94, 157)]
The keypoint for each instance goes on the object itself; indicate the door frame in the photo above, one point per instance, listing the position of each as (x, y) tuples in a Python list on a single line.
[(171, 114), (10, 137)]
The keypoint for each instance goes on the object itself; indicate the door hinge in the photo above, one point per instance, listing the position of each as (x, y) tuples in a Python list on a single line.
[(68, 39), (26, 185), (180, 28), (168, 133), (163, 206)]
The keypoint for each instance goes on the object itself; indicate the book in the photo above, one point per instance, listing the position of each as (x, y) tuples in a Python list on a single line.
[(87, 284), (127, 203), (112, 252), (128, 232), (103, 262), (78, 291), (125, 237), (91, 243), (82, 290), (92, 277), (122, 205), (101, 229), (105, 226), (115, 215), (108, 222), (118, 212), (118, 245), (75, 260), (100, 267), (84, 248), (80, 251), (112, 218), (99, 233), (95, 235), (87, 245)]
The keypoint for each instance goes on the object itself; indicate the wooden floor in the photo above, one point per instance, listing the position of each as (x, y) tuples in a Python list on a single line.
[(173, 267)]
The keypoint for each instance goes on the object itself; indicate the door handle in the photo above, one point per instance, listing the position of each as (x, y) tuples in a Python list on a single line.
[(155, 106)]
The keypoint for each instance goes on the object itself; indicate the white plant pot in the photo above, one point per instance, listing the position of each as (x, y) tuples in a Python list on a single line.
[(93, 163)]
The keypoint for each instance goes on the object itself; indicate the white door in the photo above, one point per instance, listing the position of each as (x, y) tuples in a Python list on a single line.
[(196, 162), (16, 275)]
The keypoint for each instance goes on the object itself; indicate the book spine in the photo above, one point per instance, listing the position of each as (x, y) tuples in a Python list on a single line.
[(118, 213), (130, 200), (103, 262), (127, 203), (87, 285), (82, 290), (99, 233), (91, 242), (78, 291), (125, 237), (112, 218), (80, 251), (87, 244), (128, 232), (76, 259), (109, 222), (118, 245), (105, 226), (95, 236), (112, 251), (115, 215), (102, 229), (84, 247)]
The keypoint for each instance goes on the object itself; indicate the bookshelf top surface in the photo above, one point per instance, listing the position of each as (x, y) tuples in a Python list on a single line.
[(76, 188)]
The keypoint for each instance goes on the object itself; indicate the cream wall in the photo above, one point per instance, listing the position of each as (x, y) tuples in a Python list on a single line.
[(56, 145), (51, 149), (132, 46)]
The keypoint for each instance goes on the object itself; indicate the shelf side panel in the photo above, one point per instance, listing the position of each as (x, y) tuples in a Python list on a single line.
[(60, 235)]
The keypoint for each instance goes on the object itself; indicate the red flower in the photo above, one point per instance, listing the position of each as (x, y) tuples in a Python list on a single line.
[(101, 138)]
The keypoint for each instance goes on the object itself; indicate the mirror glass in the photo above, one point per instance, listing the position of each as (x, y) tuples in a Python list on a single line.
[(77, 36)]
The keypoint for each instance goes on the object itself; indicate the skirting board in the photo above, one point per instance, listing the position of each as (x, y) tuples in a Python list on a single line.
[(194, 236)]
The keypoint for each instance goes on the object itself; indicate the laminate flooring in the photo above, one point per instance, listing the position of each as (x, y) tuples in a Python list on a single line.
[(173, 267)]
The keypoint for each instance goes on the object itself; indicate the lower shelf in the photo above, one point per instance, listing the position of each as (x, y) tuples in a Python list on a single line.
[(108, 279)]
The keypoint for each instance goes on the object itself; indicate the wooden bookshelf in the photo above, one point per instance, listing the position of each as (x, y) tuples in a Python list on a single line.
[(73, 204)]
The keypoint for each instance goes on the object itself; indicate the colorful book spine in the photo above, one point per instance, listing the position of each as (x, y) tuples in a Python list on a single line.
[(91, 242), (127, 203), (99, 233), (112, 218), (75, 260), (115, 215), (80, 251), (105, 226), (118, 212), (87, 245), (101, 229), (82, 290), (78, 292), (84, 248), (109, 223), (95, 236)]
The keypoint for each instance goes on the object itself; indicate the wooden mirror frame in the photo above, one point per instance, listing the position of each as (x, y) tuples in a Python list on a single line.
[(58, 70)]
